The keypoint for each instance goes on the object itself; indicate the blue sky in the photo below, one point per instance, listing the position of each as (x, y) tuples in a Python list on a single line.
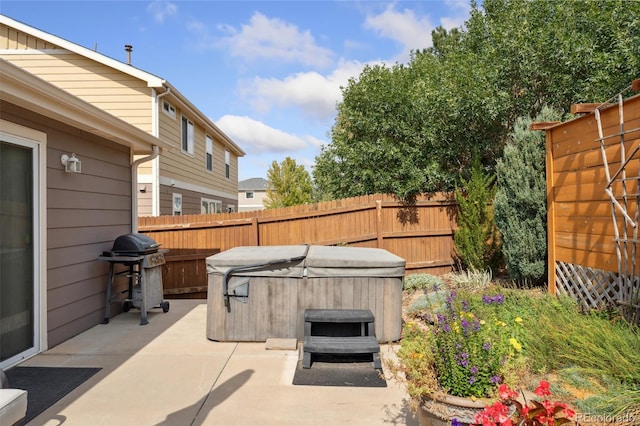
[(268, 73)]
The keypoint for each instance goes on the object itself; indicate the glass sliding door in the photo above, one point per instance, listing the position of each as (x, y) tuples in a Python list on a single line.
[(19, 308)]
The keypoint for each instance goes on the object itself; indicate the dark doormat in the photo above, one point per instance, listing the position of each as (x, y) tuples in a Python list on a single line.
[(327, 370), (46, 385)]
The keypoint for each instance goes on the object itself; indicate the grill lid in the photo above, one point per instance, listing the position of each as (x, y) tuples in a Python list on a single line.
[(134, 244)]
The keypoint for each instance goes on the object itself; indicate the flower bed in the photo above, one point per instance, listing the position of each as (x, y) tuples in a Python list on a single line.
[(470, 341)]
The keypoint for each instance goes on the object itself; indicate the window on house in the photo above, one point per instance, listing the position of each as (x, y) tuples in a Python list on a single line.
[(227, 165), (209, 153), (169, 109), (249, 194), (177, 204), (187, 135), (208, 206)]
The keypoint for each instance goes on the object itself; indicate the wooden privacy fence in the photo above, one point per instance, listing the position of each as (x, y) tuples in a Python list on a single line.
[(185, 273), (421, 233), (593, 175)]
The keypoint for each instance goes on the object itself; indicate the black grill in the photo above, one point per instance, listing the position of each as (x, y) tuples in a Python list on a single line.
[(134, 245), (142, 258)]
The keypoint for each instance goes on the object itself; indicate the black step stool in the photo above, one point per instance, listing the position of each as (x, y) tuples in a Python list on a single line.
[(317, 325)]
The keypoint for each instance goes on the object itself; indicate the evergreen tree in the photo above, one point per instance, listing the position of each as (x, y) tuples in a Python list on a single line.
[(521, 201), (476, 239)]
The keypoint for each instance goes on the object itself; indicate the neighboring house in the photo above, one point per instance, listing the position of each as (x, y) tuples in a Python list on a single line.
[(251, 194), (55, 224), (198, 175)]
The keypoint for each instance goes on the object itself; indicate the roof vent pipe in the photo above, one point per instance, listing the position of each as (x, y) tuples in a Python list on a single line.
[(128, 48)]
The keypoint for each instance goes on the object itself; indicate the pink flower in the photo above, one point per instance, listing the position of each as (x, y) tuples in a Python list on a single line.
[(539, 413), (504, 392), (543, 389), (496, 413), (569, 413)]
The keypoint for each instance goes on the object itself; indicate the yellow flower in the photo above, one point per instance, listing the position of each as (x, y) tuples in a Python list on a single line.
[(518, 320), (515, 344), (482, 322)]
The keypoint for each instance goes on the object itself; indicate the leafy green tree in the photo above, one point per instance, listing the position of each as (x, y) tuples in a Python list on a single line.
[(521, 200), (415, 128), (375, 146), (556, 53), (288, 184), (476, 239)]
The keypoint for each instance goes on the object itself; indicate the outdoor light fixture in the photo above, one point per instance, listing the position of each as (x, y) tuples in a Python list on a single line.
[(71, 163)]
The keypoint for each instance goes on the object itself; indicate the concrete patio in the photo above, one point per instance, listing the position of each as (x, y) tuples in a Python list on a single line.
[(169, 373)]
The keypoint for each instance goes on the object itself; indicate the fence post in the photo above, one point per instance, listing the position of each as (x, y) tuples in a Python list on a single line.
[(255, 232), (379, 223)]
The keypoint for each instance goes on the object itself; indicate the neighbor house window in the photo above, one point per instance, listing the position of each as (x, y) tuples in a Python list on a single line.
[(227, 166), (187, 135), (249, 194), (169, 109), (177, 204), (208, 206), (209, 153)]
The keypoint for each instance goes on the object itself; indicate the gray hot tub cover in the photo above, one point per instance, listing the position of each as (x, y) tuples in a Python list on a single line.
[(321, 261)]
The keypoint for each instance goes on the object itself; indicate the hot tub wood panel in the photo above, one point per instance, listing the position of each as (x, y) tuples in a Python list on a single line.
[(275, 307), (316, 277)]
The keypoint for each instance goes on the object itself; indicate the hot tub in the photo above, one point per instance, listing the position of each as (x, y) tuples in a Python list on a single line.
[(257, 293)]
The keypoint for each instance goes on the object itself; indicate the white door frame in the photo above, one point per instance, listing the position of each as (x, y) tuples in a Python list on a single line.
[(37, 142)]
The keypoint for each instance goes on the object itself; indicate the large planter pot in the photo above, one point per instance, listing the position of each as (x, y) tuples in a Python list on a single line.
[(439, 410)]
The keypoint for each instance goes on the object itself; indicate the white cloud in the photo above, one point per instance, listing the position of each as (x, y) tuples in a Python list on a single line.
[(273, 38), (411, 31), (161, 9), (463, 6), (256, 137), (316, 142), (354, 45), (314, 94), (460, 9)]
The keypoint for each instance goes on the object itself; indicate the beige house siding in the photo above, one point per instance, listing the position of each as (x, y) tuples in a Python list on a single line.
[(190, 200), (180, 165), (185, 170), (129, 93), (250, 204), (144, 200), (85, 213), (11, 38), (120, 94)]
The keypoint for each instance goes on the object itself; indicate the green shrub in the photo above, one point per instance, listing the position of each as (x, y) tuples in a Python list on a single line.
[(427, 282), (476, 239), (521, 201), (470, 279), (432, 301)]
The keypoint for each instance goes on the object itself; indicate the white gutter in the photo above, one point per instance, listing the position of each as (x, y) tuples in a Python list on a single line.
[(134, 186), (155, 166)]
